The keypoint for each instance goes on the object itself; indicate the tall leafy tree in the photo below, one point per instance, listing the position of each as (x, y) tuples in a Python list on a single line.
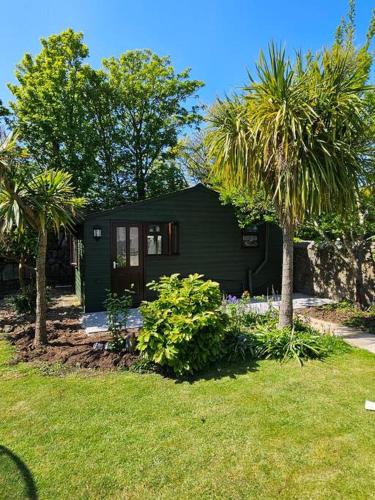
[(348, 234), (114, 128), (41, 202), (297, 135), (4, 116), (50, 107), (150, 104)]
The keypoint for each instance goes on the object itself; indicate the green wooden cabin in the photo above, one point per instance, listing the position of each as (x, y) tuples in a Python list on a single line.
[(185, 232)]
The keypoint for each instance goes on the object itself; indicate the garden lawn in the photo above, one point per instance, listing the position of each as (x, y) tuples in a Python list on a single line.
[(270, 431)]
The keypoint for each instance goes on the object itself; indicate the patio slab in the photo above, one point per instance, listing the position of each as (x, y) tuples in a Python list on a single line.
[(356, 337), (97, 321)]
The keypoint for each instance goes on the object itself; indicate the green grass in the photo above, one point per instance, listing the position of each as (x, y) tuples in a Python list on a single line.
[(271, 431)]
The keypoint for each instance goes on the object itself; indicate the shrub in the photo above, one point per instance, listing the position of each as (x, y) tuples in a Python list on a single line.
[(143, 365), (300, 342), (117, 307), (184, 328), (24, 302), (258, 336), (240, 341), (239, 345)]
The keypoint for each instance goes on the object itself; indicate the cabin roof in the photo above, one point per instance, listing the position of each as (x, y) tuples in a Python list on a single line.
[(148, 201)]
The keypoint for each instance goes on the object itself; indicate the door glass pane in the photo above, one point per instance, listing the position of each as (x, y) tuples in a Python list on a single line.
[(121, 246), (134, 246)]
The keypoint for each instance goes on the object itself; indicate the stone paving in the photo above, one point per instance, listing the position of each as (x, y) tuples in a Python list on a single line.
[(97, 321), (353, 336)]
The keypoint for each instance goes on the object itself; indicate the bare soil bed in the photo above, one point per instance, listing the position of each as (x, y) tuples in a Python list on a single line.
[(67, 341), (343, 316)]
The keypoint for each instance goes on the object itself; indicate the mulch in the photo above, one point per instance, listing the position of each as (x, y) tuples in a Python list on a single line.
[(346, 317), (68, 344)]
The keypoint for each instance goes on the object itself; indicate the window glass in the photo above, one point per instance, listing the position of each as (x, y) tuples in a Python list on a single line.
[(154, 228), (121, 246), (134, 246), (154, 244)]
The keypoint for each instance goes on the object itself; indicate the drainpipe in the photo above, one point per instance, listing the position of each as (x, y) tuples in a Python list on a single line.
[(256, 271)]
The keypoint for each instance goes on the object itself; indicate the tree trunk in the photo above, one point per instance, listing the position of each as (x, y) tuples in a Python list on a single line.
[(141, 187), (286, 306), (357, 259), (21, 274), (41, 305)]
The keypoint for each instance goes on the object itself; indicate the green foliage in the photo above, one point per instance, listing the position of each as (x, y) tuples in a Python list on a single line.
[(184, 327), (250, 208), (343, 305), (114, 129), (148, 101), (42, 201), (143, 365), (17, 246), (117, 307), (300, 342), (257, 336), (258, 144), (50, 107), (165, 177), (24, 301)]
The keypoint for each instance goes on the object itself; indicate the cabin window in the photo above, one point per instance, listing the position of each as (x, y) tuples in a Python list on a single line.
[(162, 238), (250, 237)]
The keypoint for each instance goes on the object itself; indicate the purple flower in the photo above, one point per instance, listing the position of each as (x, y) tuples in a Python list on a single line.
[(232, 299)]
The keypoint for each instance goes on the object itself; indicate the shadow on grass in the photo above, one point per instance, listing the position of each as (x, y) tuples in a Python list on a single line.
[(19, 480), (221, 370)]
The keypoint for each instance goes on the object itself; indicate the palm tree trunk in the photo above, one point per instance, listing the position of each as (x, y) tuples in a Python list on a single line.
[(357, 259), (41, 306), (21, 274), (286, 306)]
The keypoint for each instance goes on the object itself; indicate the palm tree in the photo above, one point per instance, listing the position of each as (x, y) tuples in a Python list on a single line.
[(43, 201), (295, 134)]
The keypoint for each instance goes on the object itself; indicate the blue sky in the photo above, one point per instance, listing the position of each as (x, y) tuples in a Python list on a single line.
[(218, 39)]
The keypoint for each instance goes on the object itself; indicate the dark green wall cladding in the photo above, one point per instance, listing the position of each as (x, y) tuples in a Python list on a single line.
[(209, 244)]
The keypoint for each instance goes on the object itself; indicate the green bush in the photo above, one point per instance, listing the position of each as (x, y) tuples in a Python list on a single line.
[(184, 328), (24, 302), (258, 336), (300, 342)]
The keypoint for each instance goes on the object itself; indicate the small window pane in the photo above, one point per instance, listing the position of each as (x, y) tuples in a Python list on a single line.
[(121, 246), (154, 244), (134, 246), (153, 228), (250, 240)]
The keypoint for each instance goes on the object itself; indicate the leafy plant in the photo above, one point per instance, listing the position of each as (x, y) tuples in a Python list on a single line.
[(143, 365), (300, 342), (254, 335), (299, 134), (184, 328), (24, 301), (117, 307), (240, 341), (345, 305), (239, 345)]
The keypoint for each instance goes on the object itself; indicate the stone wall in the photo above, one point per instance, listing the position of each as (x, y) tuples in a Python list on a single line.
[(58, 268), (320, 271)]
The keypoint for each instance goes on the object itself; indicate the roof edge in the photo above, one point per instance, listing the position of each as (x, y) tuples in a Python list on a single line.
[(96, 213)]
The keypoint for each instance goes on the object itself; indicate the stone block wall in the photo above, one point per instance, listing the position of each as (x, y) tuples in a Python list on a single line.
[(318, 270)]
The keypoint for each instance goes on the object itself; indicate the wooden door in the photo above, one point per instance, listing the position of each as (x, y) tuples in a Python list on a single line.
[(127, 259)]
